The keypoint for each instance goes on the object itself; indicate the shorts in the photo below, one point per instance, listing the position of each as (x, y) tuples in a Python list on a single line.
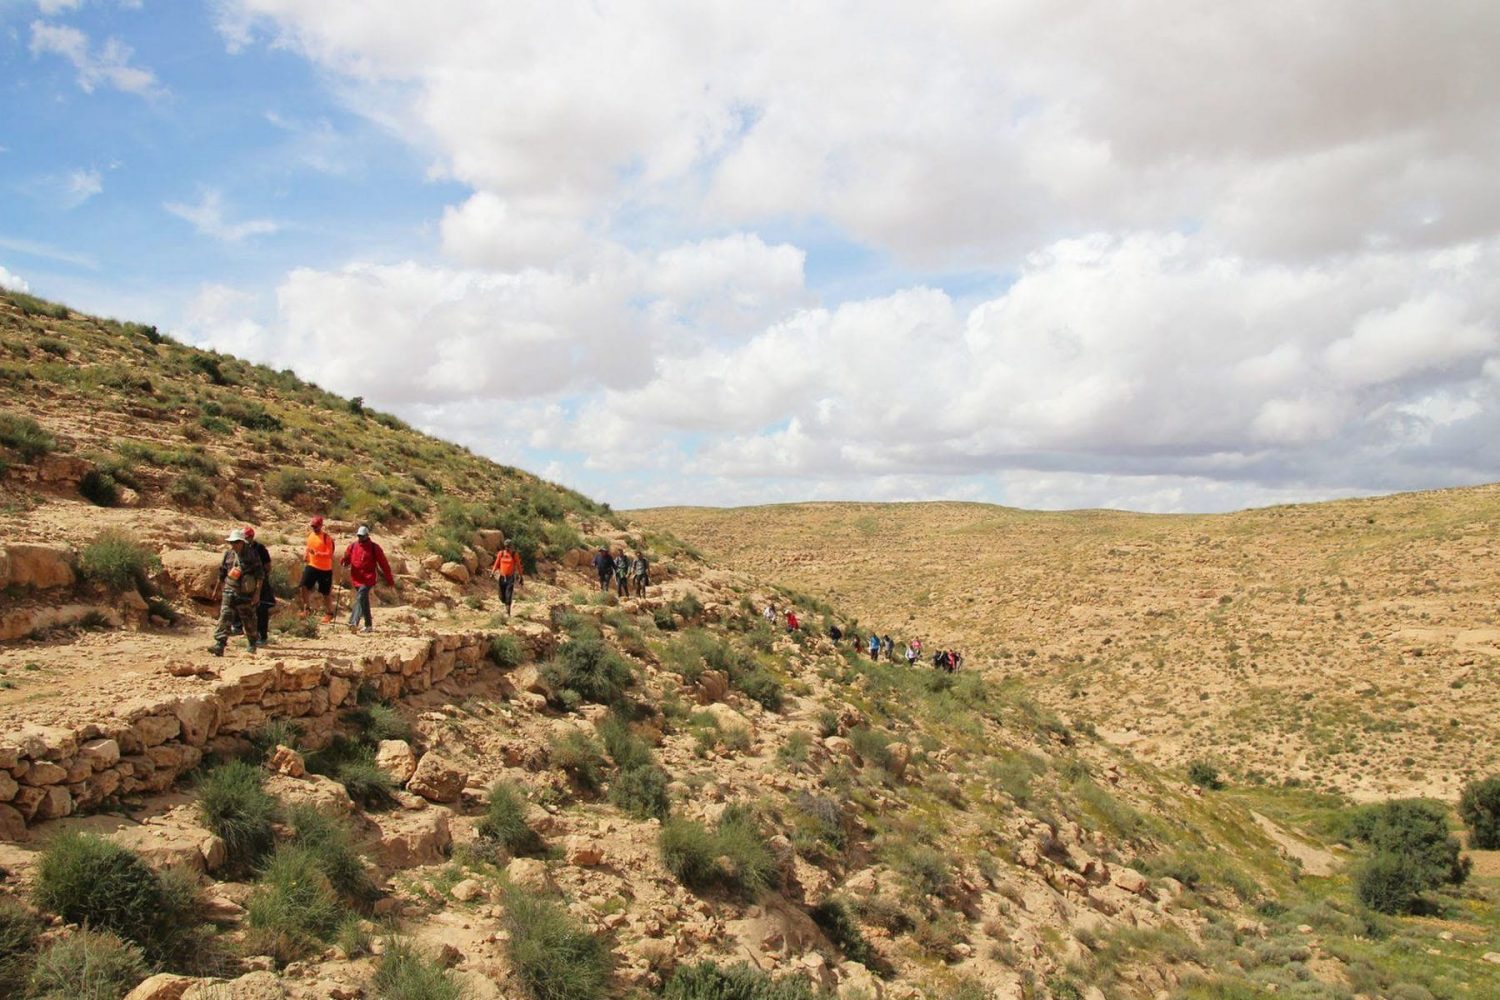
[(318, 579)]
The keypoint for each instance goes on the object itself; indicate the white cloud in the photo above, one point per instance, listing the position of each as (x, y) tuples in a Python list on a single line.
[(208, 217), (13, 281), (109, 64), (51, 7), (81, 185)]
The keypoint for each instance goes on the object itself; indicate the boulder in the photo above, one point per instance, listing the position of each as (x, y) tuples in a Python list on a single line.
[(529, 873), (584, 852), (396, 758), (259, 985), (39, 567), (898, 756), (285, 760), (437, 779), (469, 890), (409, 839), (455, 572), (489, 540), (314, 790), (194, 572), (163, 986), (12, 824), (713, 685)]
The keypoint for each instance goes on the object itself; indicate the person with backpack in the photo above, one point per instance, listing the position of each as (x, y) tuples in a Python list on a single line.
[(622, 573), (835, 633), (911, 655), (874, 646), (792, 624), (888, 648), (507, 570), (367, 564), (243, 575), (640, 572), (604, 565), (769, 614)]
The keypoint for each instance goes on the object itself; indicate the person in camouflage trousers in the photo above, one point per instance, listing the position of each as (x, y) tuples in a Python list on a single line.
[(241, 593)]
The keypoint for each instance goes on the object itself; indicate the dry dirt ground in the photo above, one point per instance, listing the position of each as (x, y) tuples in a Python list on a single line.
[(1352, 645)]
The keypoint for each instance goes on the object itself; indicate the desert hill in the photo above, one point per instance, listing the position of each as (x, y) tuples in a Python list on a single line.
[(1349, 645), (597, 795)]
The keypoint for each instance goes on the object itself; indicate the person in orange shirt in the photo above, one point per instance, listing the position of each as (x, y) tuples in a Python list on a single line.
[(507, 570), (317, 573)]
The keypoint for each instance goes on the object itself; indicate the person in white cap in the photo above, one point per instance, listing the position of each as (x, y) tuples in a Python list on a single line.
[(367, 563), (241, 592)]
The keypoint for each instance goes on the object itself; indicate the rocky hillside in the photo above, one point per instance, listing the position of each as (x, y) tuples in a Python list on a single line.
[(1349, 646), (596, 796)]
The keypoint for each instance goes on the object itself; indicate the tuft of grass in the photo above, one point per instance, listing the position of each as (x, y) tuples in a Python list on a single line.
[(25, 437), (506, 651), (404, 973), (89, 880), (99, 488), (295, 909), (379, 721), (588, 669), (332, 842), (709, 981), (233, 805), (581, 756), (352, 764), (733, 856), (117, 560), (19, 929), (836, 919), (87, 965), (276, 733), (504, 821), (1205, 775), (641, 791), (553, 956)]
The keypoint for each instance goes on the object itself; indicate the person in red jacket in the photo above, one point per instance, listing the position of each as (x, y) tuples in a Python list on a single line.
[(507, 570), (367, 563)]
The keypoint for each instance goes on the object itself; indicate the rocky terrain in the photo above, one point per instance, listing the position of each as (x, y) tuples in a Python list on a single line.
[(597, 796), (1350, 646)]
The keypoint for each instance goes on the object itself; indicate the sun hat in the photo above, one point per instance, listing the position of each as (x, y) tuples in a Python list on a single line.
[(364, 531), (235, 536)]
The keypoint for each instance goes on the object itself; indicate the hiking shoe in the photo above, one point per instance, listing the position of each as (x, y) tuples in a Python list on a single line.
[(353, 628), (325, 619), (367, 629), (217, 650)]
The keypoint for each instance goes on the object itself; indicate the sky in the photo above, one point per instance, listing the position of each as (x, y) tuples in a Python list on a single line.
[(1049, 253)]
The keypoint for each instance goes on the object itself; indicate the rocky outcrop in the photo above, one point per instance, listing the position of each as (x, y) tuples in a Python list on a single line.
[(36, 567), (144, 745), (192, 572)]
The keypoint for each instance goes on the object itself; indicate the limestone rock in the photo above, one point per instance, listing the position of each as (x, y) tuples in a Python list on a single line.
[(314, 790), (713, 685), (468, 890), (409, 839), (194, 572), (285, 760), (396, 758), (163, 986), (437, 780), (583, 852), (898, 757), (529, 873), (39, 567), (456, 572), (260, 985)]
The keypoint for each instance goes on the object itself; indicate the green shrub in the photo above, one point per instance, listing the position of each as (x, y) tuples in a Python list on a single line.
[(276, 733), (1418, 828), (872, 745), (552, 956), (25, 437), (352, 764), (19, 928), (404, 973), (1479, 807), (99, 488), (379, 721), (88, 965), (837, 921), (506, 651), (294, 909), (89, 880), (625, 748), (1204, 775), (117, 560), (190, 488), (708, 981), (1389, 883), (734, 855), (233, 805), (286, 484), (930, 870), (504, 821), (331, 841), (581, 756), (641, 791), (587, 668)]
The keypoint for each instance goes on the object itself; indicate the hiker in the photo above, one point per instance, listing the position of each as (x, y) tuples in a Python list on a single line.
[(874, 646), (640, 572), (507, 571), (835, 633), (604, 565), (622, 573), (916, 644), (888, 648), (241, 589), (367, 563), (769, 614), (791, 621), (267, 592), (911, 655), (317, 569)]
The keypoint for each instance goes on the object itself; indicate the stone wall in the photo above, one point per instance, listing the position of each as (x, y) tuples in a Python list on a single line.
[(145, 745)]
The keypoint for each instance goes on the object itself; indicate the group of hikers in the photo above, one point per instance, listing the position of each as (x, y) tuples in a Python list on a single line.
[(626, 572), (246, 595), (877, 646)]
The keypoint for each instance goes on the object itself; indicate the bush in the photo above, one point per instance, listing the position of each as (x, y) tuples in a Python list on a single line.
[(506, 651), (88, 965), (25, 437), (641, 791), (286, 484), (99, 488), (552, 956), (1479, 807), (380, 721), (190, 488), (1204, 775), (294, 909), (1418, 828), (89, 880), (276, 733), (352, 764), (834, 917), (233, 805), (1389, 883), (115, 559), (734, 855), (581, 756), (504, 821), (587, 668), (404, 973), (18, 933), (707, 981), (331, 841)]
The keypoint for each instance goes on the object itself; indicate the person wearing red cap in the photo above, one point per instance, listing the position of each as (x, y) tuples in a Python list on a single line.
[(317, 573)]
